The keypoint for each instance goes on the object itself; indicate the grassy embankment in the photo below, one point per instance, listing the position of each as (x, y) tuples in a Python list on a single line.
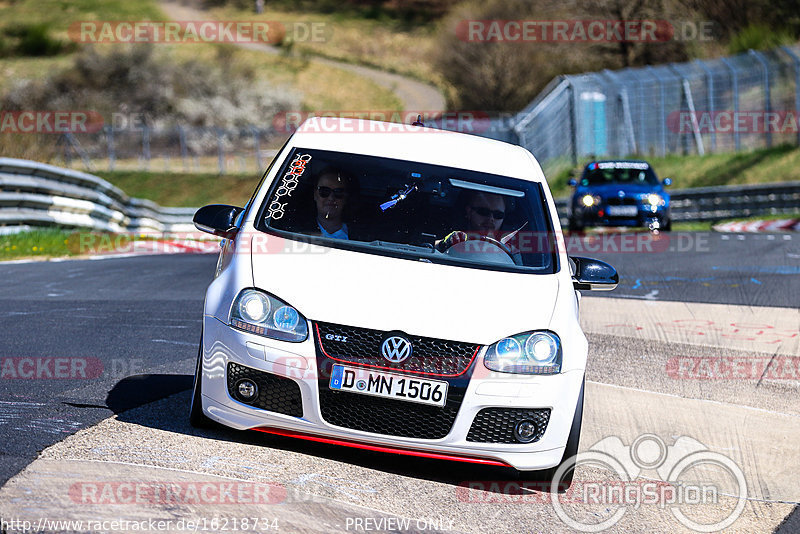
[(321, 86)]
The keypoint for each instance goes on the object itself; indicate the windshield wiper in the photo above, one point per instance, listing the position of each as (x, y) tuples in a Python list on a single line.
[(402, 247)]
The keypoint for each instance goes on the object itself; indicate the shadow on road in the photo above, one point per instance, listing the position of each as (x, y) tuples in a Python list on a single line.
[(130, 399), (137, 390)]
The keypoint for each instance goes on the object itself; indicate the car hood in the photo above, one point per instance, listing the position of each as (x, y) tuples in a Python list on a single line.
[(415, 297), (611, 190)]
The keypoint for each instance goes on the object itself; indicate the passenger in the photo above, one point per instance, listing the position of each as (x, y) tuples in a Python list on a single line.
[(333, 190)]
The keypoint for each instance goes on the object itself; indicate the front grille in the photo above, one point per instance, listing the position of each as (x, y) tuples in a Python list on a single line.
[(386, 416), (624, 201), (362, 346), (275, 393), (496, 425)]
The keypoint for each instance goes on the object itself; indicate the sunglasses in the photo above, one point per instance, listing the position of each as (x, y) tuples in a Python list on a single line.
[(325, 192), (485, 212)]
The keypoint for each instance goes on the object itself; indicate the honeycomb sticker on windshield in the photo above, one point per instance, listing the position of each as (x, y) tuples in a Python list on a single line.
[(290, 181)]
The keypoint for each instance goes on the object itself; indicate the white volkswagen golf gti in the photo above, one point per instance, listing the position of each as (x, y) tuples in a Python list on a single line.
[(401, 289)]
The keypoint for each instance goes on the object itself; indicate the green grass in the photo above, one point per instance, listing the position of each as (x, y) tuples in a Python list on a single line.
[(185, 190), (48, 243), (777, 164)]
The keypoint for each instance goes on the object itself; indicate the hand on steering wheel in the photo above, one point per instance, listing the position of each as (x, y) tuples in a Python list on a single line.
[(454, 238)]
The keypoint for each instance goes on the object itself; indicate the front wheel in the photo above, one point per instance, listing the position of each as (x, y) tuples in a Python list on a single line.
[(196, 416)]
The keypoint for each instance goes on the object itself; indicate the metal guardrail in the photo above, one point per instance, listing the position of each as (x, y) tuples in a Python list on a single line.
[(726, 202), (38, 194)]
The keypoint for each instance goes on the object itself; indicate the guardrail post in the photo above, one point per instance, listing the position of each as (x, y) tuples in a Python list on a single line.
[(184, 151), (796, 61), (735, 83), (642, 132), (146, 146), (662, 111), (687, 95), (220, 151), (710, 92), (112, 156), (573, 128), (256, 145), (760, 59)]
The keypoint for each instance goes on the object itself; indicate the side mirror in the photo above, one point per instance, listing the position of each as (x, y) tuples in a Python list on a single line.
[(572, 182), (217, 219), (667, 181), (593, 274)]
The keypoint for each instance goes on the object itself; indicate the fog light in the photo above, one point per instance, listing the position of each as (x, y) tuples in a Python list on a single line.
[(247, 390), (525, 431)]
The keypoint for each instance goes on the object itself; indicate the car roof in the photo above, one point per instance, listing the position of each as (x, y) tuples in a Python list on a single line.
[(417, 143), (618, 161)]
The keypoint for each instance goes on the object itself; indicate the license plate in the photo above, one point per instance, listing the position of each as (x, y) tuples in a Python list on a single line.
[(623, 211), (388, 385)]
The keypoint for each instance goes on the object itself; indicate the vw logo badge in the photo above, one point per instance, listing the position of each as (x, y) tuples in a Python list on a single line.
[(396, 349)]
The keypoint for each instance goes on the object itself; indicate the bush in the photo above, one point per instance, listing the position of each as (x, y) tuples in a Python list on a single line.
[(135, 81), (759, 37), (34, 40)]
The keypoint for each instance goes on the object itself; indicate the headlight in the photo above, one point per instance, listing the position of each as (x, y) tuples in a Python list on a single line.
[(537, 353), (654, 199), (256, 312), (589, 200)]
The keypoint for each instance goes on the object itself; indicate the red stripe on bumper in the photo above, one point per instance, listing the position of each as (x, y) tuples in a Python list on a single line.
[(379, 448)]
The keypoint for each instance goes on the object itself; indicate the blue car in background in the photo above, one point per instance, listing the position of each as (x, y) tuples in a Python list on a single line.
[(619, 193)]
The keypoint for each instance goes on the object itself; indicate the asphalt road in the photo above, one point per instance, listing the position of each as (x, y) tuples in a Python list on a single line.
[(743, 269), (141, 316), (110, 318), (131, 326)]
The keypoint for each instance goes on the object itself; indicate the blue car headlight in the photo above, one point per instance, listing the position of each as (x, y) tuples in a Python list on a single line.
[(653, 199), (535, 353), (259, 313)]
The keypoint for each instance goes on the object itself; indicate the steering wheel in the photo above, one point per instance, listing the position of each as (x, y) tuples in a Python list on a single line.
[(492, 241)]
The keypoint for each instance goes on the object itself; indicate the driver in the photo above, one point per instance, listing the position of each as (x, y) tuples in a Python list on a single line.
[(484, 213)]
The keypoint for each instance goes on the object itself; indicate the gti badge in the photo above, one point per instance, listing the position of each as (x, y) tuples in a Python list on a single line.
[(396, 349), (336, 337)]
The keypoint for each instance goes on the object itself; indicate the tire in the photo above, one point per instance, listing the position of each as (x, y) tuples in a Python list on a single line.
[(571, 450), (196, 416), (667, 225)]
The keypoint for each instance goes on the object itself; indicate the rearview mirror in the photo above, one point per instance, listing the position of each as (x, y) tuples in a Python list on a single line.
[(217, 219), (667, 181), (572, 182), (593, 274)]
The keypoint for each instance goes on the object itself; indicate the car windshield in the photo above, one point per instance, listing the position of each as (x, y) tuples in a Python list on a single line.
[(411, 210), (619, 172)]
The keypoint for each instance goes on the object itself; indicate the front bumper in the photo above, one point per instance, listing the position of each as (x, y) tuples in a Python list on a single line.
[(223, 345), (598, 216)]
